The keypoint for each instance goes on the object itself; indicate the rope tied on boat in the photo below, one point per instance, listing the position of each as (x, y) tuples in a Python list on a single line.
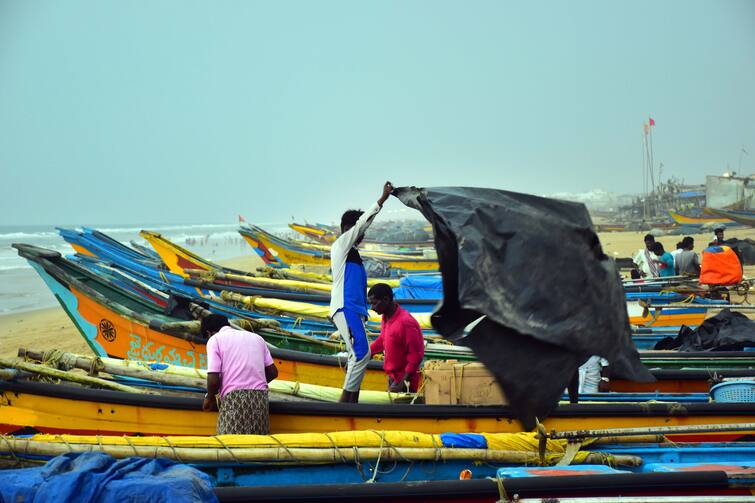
[(377, 462), (285, 447), (11, 450), (502, 494), (131, 444), (65, 442), (228, 449), (173, 448), (336, 449)]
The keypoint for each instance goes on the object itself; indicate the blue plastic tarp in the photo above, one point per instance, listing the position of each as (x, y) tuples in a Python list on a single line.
[(464, 440), (419, 287), (99, 477)]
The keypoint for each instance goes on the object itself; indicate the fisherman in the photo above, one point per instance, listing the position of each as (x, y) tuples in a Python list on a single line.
[(400, 339), (687, 262), (593, 375), (679, 249), (665, 261), (348, 297), (239, 366), (718, 237), (645, 260)]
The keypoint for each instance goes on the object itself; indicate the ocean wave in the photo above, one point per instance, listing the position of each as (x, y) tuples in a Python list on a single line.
[(162, 228), (13, 267), (28, 235)]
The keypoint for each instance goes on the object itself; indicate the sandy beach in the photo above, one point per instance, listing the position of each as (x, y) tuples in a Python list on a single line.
[(51, 328)]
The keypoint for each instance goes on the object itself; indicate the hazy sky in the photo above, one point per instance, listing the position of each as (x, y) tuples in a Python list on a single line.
[(196, 111)]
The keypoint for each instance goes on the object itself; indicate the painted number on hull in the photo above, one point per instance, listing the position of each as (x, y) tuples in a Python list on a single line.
[(152, 353)]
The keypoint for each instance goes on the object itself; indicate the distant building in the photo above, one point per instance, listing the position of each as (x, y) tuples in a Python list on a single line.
[(730, 192)]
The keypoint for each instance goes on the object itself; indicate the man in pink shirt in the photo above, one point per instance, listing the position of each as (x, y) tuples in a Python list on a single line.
[(239, 366), (400, 339)]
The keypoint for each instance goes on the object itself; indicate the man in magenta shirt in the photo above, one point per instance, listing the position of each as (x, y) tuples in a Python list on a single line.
[(400, 339), (239, 366)]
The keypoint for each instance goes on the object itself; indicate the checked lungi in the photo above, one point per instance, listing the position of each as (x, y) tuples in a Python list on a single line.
[(244, 412)]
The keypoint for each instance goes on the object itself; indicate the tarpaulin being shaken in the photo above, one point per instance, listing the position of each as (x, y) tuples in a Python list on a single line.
[(530, 272), (726, 331)]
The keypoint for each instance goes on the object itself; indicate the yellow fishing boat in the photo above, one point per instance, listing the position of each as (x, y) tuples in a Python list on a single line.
[(279, 252)]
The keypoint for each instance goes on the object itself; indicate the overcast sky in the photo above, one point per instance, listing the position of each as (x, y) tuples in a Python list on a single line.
[(193, 112)]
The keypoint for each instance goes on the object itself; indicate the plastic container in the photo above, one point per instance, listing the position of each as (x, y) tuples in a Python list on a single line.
[(734, 391)]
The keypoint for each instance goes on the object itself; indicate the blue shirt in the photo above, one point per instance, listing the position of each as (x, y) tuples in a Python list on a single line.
[(667, 267)]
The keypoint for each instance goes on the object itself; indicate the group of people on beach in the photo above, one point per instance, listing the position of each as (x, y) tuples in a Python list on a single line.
[(653, 261), (239, 363)]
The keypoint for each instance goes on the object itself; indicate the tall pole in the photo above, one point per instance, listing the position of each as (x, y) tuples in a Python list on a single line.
[(650, 175), (644, 180), (652, 161)]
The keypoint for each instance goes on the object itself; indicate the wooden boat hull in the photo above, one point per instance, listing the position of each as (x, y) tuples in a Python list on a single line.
[(741, 217), (668, 317), (685, 220), (277, 253), (56, 408)]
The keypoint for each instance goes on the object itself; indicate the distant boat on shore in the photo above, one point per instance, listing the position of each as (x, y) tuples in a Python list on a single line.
[(698, 220), (743, 217)]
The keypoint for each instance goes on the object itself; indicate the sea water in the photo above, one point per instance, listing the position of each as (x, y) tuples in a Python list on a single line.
[(21, 289)]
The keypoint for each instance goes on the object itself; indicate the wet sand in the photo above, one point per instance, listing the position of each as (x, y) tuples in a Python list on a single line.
[(51, 328)]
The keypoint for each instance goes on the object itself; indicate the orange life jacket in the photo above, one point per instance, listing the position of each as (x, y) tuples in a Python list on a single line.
[(720, 266)]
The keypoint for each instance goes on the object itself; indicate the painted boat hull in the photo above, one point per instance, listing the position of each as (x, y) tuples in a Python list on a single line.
[(279, 253), (697, 221), (741, 217), (57, 408), (668, 317)]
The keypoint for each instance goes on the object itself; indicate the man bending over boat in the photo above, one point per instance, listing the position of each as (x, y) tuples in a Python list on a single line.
[(239, 366), (400, 339), (348, 297)]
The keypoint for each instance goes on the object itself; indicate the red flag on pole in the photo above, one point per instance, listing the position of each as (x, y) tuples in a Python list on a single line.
[(651, 121), (241, 219)]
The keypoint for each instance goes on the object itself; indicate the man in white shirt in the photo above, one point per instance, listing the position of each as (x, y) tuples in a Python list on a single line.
[(348, 296), (645, 259)]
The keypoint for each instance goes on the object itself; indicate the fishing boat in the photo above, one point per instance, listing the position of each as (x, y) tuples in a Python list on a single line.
[(698, 220), (319, 233), (742, 217), (326, 235), (346, 457), (279, 252), (418, 294), (338, 457), (60, 408), (116, 323)]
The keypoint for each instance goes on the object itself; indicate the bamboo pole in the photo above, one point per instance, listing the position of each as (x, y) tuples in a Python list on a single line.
[(287, 285), (173, 375), (655, 430), (297, 454), (684, 305), (116, 367), (67, 376)]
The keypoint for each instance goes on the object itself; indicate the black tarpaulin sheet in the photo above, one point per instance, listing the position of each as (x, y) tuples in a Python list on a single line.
[(744, 248), (726, 331), (531, 273)]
